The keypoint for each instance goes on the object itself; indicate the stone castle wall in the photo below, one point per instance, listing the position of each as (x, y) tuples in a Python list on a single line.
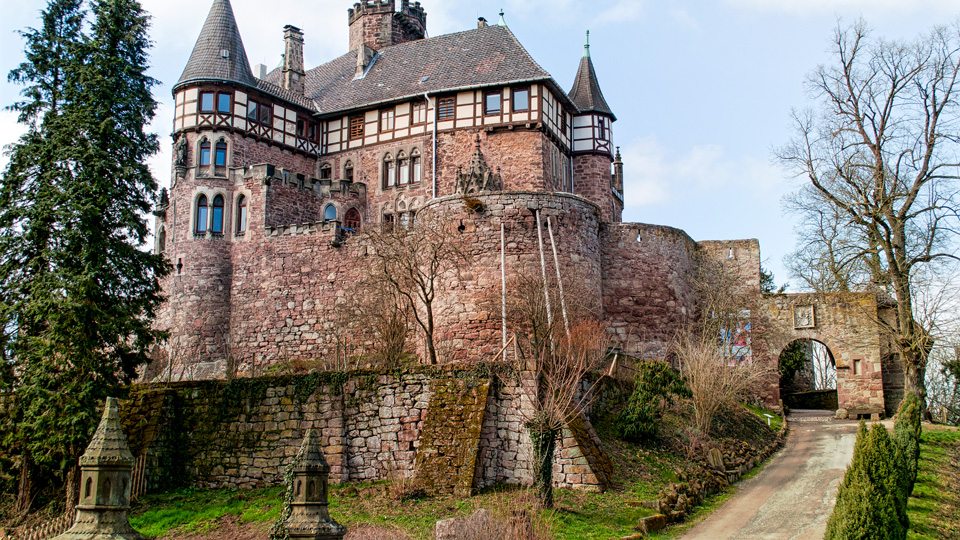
[(239, 433)]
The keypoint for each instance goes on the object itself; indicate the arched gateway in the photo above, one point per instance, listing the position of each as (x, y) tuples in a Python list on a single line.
[(868, 375)]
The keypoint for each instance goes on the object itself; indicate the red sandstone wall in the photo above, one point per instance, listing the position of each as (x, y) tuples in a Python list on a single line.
[(591, 179), (646, 284)]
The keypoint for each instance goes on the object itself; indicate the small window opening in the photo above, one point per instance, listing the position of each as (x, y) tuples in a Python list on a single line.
[(202, 214), (223, 103), (221, 155), (206, 101), (218, 214), (242, 214), (521, 99), (491, 103), (446, 108), (205, 153), (330, 212)]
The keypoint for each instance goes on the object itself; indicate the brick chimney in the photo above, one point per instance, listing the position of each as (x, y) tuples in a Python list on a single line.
[(293, 73)]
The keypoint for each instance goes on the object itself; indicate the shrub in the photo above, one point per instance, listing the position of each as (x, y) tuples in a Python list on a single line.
[(655, 383), (906, 435), (867, 505)]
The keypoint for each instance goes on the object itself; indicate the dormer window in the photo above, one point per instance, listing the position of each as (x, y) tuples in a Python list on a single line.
[(491, 103)]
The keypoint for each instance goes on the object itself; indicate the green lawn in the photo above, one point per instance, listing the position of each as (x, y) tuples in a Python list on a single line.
[(934, 507)]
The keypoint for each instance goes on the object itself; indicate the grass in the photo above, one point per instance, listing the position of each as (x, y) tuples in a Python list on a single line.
[(775, 422), (934, 507), (193, 510)]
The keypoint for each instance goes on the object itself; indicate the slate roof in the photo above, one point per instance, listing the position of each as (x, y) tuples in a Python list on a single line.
[(474, 58), (586, 92), (207, 62)]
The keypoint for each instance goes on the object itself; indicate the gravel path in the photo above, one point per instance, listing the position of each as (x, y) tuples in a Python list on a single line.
[(793, 496)]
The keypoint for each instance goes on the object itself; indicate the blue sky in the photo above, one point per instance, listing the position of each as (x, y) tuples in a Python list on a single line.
[(702, 89)]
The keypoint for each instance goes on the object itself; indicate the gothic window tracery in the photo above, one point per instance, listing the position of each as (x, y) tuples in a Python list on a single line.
[(351, 220), (403, 169)]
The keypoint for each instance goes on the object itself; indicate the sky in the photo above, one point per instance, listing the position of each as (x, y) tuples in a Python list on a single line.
[(702, 89)]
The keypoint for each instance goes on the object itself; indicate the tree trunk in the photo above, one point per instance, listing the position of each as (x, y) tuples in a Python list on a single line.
[(544, 441), (73, 490), (25, 487), (914, 375)]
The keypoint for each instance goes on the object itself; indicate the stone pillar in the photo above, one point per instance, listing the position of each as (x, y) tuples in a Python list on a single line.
[(104, 484), (308, 514)]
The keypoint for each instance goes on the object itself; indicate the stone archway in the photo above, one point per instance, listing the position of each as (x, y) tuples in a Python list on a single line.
[(847, 324), (808, 375)]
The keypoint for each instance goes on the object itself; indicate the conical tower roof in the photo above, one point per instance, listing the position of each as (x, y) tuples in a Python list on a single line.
[(109, 446), (586, 94), (218, 54)]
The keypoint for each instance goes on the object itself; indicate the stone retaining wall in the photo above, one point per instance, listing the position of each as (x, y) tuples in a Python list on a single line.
[(238, 433)]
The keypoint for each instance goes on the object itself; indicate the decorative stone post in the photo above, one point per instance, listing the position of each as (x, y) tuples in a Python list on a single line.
[(104, 484), (308, 517)]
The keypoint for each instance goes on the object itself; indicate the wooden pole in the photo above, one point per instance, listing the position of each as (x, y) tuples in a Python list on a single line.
[(556, 264)]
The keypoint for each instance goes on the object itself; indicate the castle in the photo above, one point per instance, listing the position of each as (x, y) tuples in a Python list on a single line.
[(274, 169)]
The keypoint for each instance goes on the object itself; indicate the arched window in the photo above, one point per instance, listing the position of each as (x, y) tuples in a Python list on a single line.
[(348, 171), (389, 172), (403, 169), (241, 214), (205, 153), (352, 220), (217, 214), (414, 167), (330, 212), (162, 240), (202, 214), (221, 155)]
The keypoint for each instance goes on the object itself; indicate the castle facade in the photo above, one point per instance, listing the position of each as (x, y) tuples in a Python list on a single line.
[(274, 169)]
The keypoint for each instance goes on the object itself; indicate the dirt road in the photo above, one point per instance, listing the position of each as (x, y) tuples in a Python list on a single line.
[(793, 496)]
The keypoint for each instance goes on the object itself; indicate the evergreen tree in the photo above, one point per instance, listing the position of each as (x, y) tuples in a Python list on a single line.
[(867, 507), (906, 433), (77, 291)]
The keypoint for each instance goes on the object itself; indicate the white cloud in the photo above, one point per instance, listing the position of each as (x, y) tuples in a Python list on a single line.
[(655, 174), (819, 7)]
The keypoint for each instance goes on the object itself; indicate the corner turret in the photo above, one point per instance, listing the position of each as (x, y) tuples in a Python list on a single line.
[(593, 142)]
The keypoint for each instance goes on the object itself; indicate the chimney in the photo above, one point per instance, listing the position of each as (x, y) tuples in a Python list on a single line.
[(364, 58), (481, 22), (260, 71), (293, 73)]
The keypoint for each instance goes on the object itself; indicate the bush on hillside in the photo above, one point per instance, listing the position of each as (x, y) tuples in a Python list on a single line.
[(656, 385), (867, 505), (906, 435)]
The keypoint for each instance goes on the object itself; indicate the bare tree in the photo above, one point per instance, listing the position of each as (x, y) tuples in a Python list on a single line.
[(715, 349), (413, 261), (559, 359), (881, 153), (376, 313)]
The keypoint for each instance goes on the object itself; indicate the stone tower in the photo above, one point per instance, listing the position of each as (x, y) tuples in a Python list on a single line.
[(378, 23), (593, 142), (104, 484), (309, 518)]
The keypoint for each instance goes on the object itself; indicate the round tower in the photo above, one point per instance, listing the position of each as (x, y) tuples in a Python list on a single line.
[(199, 223), (593, 153)]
